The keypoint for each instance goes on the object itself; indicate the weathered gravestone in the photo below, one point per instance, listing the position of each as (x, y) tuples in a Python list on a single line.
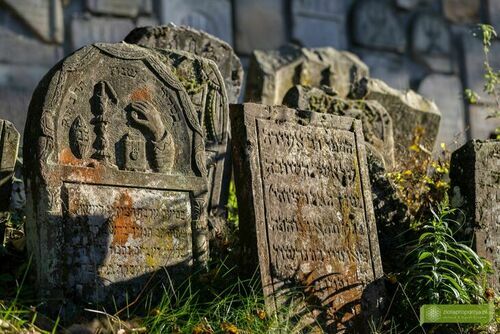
[(409, 112), (306, 214), (475, 186), (375, 25), (198, 42), (376, 122), (272, 73), (115, 175)]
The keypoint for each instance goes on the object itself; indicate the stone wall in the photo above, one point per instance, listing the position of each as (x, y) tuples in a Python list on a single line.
[(425, 45)]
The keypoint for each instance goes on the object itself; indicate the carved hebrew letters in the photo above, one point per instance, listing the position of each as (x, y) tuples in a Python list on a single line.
[(314, 225)]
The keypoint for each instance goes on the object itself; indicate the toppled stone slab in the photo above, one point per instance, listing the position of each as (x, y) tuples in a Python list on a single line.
[(272, 73), (475, 188), (306, 215), (409, 111), (115, 175)]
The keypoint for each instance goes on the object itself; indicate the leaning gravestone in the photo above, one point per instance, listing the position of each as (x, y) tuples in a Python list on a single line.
[(475, 185), (409, 112), (115, 175), (272, 73), (306, 214)]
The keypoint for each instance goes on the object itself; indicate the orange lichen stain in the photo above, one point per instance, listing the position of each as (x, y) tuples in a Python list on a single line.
[(123, 222), (66, 157), (141, 94)]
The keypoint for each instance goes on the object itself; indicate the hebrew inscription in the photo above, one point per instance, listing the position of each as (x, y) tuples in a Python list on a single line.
[(105, 224), (314, 225)]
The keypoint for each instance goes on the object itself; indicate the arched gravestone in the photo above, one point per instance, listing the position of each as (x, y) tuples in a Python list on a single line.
[(306, 214), (115, 171), (171, 38)]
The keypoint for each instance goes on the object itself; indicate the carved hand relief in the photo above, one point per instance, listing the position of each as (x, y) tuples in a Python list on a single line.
[(128, 133)]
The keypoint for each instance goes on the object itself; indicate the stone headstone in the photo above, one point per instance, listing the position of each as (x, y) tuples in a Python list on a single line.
[(90, 29), (259, 25), (43, 17), (198, 42), (446, 92), (388, 67), (115, 175), (462, 11), (306, 215), (213, 17), (129, 8), (376, 25), (9, 143), (409, 111), (375, 120), (272, 73), (431, 42), (475, 185), (320, 22)]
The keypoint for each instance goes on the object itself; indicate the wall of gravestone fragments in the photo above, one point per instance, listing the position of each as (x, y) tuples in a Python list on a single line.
[(425, 45)]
